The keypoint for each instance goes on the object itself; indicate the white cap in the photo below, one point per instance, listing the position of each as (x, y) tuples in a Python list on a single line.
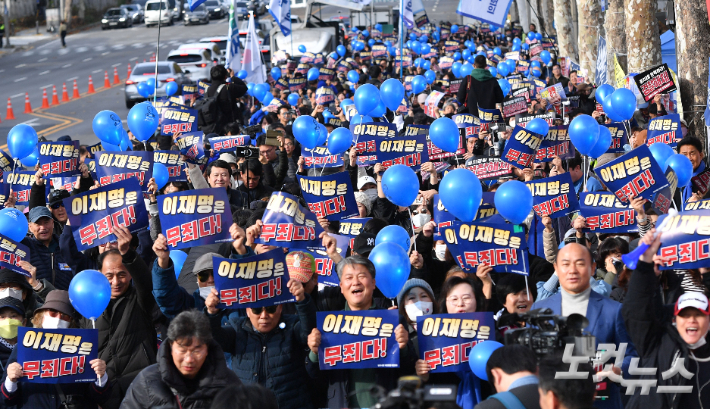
[(364, 180), (692, 299)]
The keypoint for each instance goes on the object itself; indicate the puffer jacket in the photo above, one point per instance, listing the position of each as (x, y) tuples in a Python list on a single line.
[(127, 338), (49, 262), (275, 360), (162, 386)]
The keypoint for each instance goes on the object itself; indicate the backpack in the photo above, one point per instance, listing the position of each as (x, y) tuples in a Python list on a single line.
[(208, 111)]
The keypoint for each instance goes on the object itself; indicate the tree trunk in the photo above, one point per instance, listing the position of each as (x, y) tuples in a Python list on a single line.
[(589, 15), (642, 36), (548, 14), (524, 14), (692, 51), (575, 26), (615, 28), (514, 15), (565, 30), (532, 9)]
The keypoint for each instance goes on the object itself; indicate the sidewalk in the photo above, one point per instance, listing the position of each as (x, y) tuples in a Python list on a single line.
[(25, 39)]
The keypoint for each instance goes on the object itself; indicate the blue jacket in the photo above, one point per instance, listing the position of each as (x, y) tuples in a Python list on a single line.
[(607, 326), (49, 261)]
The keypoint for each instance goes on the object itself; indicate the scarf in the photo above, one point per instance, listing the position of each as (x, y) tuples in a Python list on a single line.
[(468, 394)]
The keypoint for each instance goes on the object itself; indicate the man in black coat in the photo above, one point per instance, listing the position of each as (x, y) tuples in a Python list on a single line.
[(511, 370), (227, 99), (481, 90)]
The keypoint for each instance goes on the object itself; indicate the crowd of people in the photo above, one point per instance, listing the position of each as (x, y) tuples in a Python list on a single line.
[(164, 341)]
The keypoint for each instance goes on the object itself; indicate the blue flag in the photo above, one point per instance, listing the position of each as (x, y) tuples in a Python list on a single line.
[(195, 4), (57, 355), (281, 11)]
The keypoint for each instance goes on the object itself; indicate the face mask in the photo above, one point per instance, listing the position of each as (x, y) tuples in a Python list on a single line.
[(205, 291), (8, 328), (11, 292), (371, 193), (420, 220), (418, 309), (440, 251), (49, 322), (684, 131)]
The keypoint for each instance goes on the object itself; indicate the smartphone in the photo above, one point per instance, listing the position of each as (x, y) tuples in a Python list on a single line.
[(272, 138)]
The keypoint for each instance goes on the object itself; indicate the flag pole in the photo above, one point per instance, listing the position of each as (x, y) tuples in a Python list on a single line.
[(401, 40)]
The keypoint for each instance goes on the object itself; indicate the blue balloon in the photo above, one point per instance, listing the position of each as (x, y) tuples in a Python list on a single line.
[(306, 131), (125, 144), (516, 41), (276, 73), (426, 65), (460, 192), (354, 29), (143, 119), (503, 69), (535, 64), (430, 76), (412, 36), (144, 89), (178, 257), (322, 135), (90, 293), (531, 36), (341, 50), (391, 93), (353, 76), (513, 201), (417, 47), (418, 62), (107, 126), (151, 83), (525, 46), (378, 27), (479, 355), (13, 224), (379, 111), (313, 74), (444, 133), (609, 110), (110, 148), (160, 174), (423, 39), (457, 56), (454, 29), (292, 99), (419, 84), (466, 69), (370, 42), (367, 97), (456, 69), (603, 92), (497, 51), (360, 119), (545, 57), (400, 185), (471, 58), (516, 47), (682, 167), (465, 54), (250, 89), (302, 48), (393, 234), (538, 36), (171, 88), (661, 152), (268, 97), (339, 141), (493, 71), (584, 133), (603, 143), (260, 90), (346, 102), (22, 141), (388, 43), (242, 74), (539, 126), (536, 72), (623, 102), (30, 161), (504, 86), (392, 262), (365, 33)]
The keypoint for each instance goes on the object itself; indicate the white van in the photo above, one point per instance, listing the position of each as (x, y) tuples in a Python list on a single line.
[(153, 12)]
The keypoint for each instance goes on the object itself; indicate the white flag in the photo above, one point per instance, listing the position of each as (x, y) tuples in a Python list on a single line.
[(408, 15), (234, 52), (496, 12), (256, 71), (417, 6), (281, 11)]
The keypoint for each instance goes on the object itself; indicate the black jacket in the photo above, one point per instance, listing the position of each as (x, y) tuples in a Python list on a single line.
[(127, 339), (527, 394), (481, 94), (275, 172), (227, 102), (162, 386), (49, 261)]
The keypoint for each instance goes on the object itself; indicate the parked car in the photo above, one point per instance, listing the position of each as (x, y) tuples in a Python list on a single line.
[(219, 41), (116, 17), (196, 64), (167, 72), (213, 49), (153, 12), (135, 11), (199, 16), (216, 9)]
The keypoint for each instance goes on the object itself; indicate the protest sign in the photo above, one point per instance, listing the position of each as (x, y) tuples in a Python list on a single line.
[(192, 148), (432, 102), (454, 86), (664, 129), (358, 339), (352, 227), (554, 196), (619, 138), (228, 143), (281, 84), (699, 205), (21, 182), (202, 87), (251, 282), (522, 66), (410, 151), (94, 214), (379, 129), (57, 355), (605, 213), (451, 46), (535, 48), (379, 51), (320, 157), (514, 105), (11, 253), (489, 167), (446, 62), (91, 164), (296, 84), (4, 193), (325, 267), (172, 160), (489, 115), (686, 240), (445, 340), (554, 94), (487, 207), (329, 196), (189, 91), (6, 162), (520, 92), (288, 224), (422, 20), (522, 147), (512, 55), (523, 120), (635, 173), (65, 183), (555, 143), (175, 121), (195, 217), (93, 149), (655, 81), (114, 167), (325, 74), (405, 61), (324, 96), (701, 182), (58, 158)]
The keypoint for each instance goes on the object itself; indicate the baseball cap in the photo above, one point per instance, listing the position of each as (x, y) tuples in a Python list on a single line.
[(57, 195), (39, 212), (692, 299), (364, 243), (363, 180), (301, 266), (204, 262), (14, 303)]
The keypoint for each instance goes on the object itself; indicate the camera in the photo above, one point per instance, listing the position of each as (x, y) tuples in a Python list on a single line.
[(410, 394), (247, 152), (251, 130), (546, 333)]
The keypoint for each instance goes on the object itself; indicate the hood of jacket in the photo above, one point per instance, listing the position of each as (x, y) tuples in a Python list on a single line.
[(481, 74)]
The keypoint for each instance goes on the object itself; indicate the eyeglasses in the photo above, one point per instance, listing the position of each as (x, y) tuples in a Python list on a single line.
[(57, 205), (466, 299), (264, 153), (203, 276), (269, 310)]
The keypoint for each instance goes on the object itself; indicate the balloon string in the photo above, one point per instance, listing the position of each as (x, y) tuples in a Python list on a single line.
[(412, 221), (93, 324), (527, 287)]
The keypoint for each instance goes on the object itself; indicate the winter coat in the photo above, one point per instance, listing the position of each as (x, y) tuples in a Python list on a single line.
[(162, 386), (50, 262), (275, 172), (227, 99), (479, 94), (127, 338)]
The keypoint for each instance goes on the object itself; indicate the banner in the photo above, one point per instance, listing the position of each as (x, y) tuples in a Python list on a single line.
[(664, 129), (195, 217), (489, 167), (330, 196), (57, 355), (288, 224), (605, 213), (228, 143), (320, 157), (379, 129), (325, 267), (619, 138), (522, 147), (189, 91), (655, 81), (21, 184), (619, 76), (58, 158), (493, 12), (554, 196), (410, 151), (422, 20), (685, 240), (11, 253), (451, 46), (489, 115), (699, 205), (514, 105), (192, 147), (523, 120), (112, 167), (358, 339), (445, 340), (174, 121), (173, 162), (6, 162), (601, 74), (635, 173), (252, 282), (326, 74), (94, 214)]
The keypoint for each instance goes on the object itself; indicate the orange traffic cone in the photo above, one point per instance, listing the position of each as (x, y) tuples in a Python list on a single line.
[(107, 83), (65, 95), (152, 59), (55, 98), (45, 101), (144, 60), (129, 71), (10, 114), (91, 86), (75, 93), (116, 80), (28, 107)]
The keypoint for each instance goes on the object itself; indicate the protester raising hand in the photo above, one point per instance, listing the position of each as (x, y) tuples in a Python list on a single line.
[(416, 260), (239, 237), (314, 339), (653, 242), (483, 272), (211, 302), (160, 248), (296, 289), (124, 239), (253, 233)]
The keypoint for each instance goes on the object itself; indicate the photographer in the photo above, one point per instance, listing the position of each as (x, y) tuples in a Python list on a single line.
[(559, 393), (511, 370)]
